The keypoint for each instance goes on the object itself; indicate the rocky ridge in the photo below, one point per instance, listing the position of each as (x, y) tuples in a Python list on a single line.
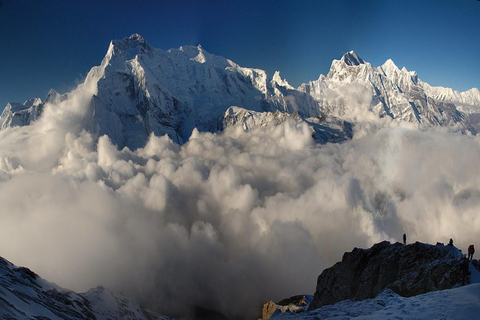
[(406, 270)]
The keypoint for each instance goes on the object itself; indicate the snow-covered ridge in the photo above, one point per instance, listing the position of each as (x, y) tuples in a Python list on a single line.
[(17, 114), (24, 295)]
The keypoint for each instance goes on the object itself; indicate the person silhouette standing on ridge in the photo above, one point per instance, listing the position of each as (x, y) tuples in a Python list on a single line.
[(471, 251), (404, 239)]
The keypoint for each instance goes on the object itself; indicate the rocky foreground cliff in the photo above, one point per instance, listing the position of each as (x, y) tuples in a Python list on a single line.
[(407, 270), (383, 272)]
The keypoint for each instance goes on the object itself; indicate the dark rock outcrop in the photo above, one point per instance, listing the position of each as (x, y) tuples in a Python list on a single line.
[(407, 270)]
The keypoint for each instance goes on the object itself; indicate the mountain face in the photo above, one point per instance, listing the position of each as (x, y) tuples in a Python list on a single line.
[(24, 295), (141, 90), (138, 90)]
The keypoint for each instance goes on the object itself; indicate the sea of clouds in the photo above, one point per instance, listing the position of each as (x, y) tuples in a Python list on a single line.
[(226, 221)]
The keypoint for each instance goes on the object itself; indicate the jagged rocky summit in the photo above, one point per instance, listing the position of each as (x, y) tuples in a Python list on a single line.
[(24, 295), (138, 90)]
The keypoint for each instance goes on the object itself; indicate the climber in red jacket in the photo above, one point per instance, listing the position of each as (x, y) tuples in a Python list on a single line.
[(471, 251)]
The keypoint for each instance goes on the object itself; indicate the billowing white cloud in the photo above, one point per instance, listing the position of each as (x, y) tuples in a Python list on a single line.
[(226, 221)]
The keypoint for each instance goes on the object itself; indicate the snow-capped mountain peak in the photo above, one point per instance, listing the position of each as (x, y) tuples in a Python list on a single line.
[(132, 42), (138, 90), (277, 79), (124, 50), (201, 56), (352, 59), (389, 67), (401, 77), (349, 68), (197, 53), (473, 91), (33, 102)]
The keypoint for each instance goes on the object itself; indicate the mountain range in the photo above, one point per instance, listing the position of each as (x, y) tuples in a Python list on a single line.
[(138, 90)]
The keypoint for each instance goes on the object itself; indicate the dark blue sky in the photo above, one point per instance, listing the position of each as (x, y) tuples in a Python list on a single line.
[(53, 44)]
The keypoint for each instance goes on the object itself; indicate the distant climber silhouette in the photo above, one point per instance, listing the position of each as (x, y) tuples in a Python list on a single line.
[(450, 243), (404, 239), (471, 251)]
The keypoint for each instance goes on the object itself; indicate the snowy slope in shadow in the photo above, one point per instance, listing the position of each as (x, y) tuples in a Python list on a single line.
[(458, 303), (24, 295)]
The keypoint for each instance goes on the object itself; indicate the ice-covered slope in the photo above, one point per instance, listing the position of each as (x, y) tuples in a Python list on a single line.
[(354, 86), (24, 295)]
